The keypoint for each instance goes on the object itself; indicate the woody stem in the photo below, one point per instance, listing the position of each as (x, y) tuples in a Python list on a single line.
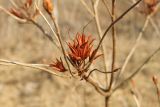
[(60, 41)]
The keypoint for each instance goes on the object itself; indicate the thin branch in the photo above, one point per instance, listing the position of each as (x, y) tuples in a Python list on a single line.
[(60, 41), (99, 29), (131, 52), (135, 93), (44, 32), (35, 23), (135, 98), (133, 1), (46, 21), (13, 16), (13, 3), (153, 23), (97, 87), (58, 36), (116, 20), (86, 6), (155, 81), (137, 71), (35, 66), (85, 26), (113, 45), (107, 7), (104, 72), (110, 26)]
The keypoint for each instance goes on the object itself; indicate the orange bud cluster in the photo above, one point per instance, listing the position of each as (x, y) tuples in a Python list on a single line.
[(80, 50), (28, 3), (16, 13), (48, 6), (24, 11), (58, 65), (149, 6), (80, 54)]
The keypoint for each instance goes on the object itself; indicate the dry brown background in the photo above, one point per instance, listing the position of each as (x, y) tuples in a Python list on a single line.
[(25, 87)]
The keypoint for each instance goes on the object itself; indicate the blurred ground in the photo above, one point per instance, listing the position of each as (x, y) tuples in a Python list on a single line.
[(24, 87)]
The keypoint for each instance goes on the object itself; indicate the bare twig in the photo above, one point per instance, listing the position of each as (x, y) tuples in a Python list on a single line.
[(13, 16), (113, 23), (95, 15), (13, 3), (134, 47), (135, 93), (107, 7), (155, 27), (155, 81), (110, 26), (31, 20), (152, 21), (113, 54), (60, 41), (44, 32), (113, 45), (97, 87), (135, 98), (136, 71), (99, 29), (102, 71), (49, 10), (83, 30), (86, 6), (35, 66), (46, 21)]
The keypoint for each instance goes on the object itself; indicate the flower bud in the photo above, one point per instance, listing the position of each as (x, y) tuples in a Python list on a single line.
[(48, 6), (155, 80), (16, 13)]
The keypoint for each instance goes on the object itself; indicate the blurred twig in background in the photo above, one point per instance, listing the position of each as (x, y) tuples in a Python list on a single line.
[(155, 81), (136, 71)]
